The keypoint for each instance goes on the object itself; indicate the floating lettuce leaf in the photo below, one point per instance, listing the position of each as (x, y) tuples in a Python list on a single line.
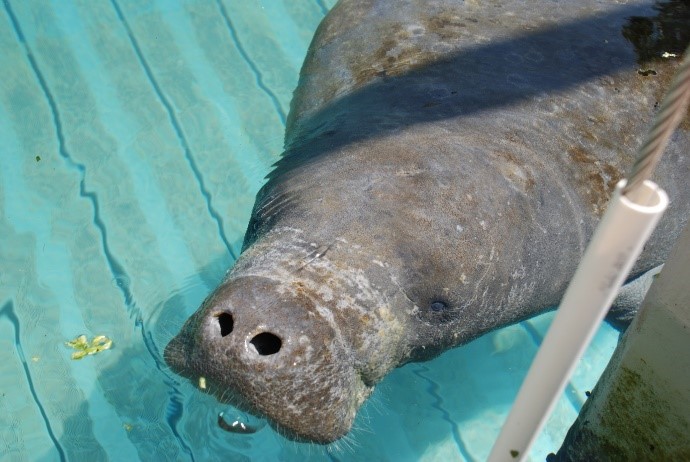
[(86, 348)]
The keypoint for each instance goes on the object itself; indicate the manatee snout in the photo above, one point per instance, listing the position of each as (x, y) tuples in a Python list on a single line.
[(264, 347)]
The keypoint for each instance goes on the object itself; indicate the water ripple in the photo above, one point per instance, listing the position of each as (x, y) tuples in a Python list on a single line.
[(118, 272), (115, 268), (432, 389), (324, 8), (252, 65), (176, 126), (7, 311)]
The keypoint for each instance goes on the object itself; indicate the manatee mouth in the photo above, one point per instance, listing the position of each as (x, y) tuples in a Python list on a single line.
[(304, 421), (287, 365)]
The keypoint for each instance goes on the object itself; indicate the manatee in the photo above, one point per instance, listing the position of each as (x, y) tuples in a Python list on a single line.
[(445, 164)]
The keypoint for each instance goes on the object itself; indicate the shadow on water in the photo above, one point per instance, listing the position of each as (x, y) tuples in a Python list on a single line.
[(166, 418)]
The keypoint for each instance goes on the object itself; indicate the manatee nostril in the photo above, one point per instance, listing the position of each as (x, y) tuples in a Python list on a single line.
[(266, 343), (226, 323)]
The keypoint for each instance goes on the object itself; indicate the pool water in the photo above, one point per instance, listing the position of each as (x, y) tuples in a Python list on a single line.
[(134, 136)]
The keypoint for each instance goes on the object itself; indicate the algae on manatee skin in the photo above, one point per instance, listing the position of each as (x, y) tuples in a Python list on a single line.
[(85, 348)]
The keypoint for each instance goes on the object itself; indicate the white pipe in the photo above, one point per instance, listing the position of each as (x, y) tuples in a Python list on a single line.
[(615, 245)]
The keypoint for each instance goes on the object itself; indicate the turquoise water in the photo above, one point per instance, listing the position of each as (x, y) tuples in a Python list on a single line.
[(133, 138)]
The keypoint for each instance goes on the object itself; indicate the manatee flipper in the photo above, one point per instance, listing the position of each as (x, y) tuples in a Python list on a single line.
[(629, 299)]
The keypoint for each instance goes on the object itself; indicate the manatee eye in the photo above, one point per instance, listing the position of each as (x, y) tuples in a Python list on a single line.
[(438, 307), (438, 311)]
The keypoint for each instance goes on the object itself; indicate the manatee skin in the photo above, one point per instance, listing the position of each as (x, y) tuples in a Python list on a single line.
[(446, 163)]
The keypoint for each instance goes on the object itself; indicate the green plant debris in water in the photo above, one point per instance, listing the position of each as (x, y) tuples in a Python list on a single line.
[(85, 348)]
